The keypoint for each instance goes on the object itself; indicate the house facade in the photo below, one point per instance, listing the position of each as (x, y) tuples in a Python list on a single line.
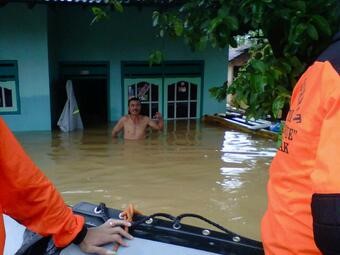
[(43, 45)]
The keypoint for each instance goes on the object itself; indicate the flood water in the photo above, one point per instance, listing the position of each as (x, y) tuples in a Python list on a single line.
[(189, 167)]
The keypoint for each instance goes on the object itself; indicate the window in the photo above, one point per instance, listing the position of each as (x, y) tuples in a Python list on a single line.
[(9, 88), (182, 98), (148, 91)]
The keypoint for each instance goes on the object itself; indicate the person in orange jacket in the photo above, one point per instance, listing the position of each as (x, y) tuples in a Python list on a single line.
[(30, 198), (303, 213)]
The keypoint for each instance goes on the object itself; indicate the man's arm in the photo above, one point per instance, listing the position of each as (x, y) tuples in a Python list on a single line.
[(157, 123), (29, 197), (326, 173), (118, 127)]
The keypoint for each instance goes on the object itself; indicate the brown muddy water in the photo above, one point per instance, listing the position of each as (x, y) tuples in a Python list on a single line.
[(189, 167)]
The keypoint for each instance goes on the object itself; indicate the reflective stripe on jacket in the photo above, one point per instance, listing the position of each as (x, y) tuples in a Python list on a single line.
[(29, 197)]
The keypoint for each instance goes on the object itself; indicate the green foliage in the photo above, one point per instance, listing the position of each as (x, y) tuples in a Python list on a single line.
[(100, 14), (263, 84), (290, 34), (262, 78), (279, 138), (156, 57), (219, 93), (287, 35), (117, 5)]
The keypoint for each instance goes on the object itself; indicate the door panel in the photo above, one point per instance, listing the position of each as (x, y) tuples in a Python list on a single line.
[(182, 98), (148, 90)]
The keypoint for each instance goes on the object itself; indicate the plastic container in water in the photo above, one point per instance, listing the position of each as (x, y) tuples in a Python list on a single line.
[(275, 127)]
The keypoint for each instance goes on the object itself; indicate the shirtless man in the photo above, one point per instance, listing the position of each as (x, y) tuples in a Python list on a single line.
[(134, 124)]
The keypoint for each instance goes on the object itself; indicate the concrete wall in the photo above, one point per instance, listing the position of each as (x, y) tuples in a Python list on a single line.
[(23, 37)]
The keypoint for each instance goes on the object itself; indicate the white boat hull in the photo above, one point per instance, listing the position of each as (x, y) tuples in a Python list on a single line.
[(14, 235), (143, 247), (15, 232)]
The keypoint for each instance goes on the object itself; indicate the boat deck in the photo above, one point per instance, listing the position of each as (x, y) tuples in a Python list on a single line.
[(257, 127)]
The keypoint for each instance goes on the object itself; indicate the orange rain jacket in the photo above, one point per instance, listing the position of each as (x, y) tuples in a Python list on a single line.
[(29, 197), (307, 163)]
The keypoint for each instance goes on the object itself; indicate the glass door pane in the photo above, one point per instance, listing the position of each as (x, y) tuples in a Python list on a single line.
[(182, 98), (148, 90)]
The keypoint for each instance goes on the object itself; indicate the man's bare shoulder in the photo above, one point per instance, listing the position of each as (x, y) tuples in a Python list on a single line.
[(124, 118), (145, 118)]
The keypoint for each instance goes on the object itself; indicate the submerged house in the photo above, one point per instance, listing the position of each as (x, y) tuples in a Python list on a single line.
[(44, 43), (237, 57)]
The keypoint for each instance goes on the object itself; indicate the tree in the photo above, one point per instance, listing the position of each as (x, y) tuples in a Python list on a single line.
[(290, 34)]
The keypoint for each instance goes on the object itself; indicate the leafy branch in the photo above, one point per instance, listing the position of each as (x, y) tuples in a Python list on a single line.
[(291, 33)]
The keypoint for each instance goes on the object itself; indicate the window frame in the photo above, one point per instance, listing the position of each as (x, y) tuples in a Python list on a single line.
[(174, 81), (151, 81), (8, 73)]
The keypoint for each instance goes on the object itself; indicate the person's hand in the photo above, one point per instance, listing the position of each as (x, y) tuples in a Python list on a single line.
[(158, 116), (108, 232)]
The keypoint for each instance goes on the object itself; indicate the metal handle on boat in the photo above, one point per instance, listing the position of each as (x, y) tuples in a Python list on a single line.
[(120, 216), (96, 210), (206, 232), (149, 221), (102, 211), (236, 239), (176, 225)]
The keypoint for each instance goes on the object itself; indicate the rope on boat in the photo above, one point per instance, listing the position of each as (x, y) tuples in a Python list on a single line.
[(192, 215), (152, 216), (130, 211), (177, 220)]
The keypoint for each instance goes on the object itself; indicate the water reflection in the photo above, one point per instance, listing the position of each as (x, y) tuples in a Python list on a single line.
[(190, 167), (242, 153)]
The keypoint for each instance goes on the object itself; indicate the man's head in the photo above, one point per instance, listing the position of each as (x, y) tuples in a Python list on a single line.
[(134, 106)]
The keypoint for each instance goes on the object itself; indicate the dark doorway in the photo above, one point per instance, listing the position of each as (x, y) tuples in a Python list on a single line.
[(91, 95), (90, 85)]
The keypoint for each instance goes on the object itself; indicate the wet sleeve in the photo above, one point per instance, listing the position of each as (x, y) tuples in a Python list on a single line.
[(325, 177), (326, 173), (29, 197)]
